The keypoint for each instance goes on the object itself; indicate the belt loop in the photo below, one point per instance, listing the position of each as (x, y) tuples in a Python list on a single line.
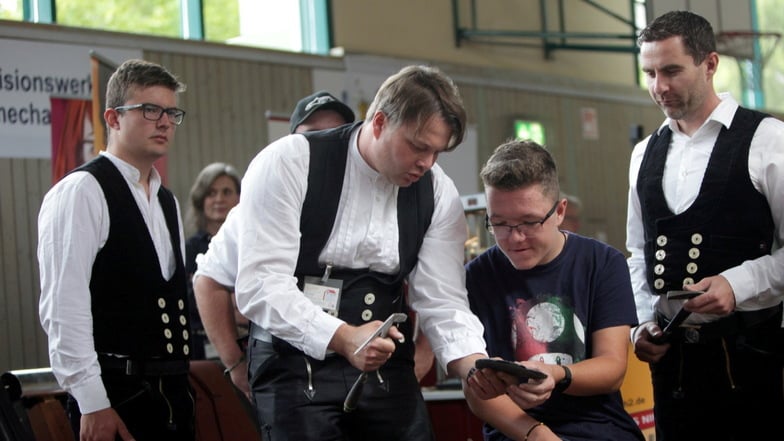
[(129, 367)]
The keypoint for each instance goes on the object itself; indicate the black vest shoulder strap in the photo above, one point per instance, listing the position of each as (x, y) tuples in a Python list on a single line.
[(327, 167)]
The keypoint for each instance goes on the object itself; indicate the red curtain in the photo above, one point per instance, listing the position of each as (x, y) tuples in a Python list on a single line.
[(72, 135)]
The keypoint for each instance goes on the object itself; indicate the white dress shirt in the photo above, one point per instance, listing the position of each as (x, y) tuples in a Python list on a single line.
[(73, 226), (757, 283), (365, 235)]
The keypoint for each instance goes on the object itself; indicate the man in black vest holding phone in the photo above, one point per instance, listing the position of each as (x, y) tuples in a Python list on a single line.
[(706, 213), (332, 225)]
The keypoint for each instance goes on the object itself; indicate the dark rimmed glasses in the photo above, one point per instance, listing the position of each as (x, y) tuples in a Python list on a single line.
[(154, 112), (502, 231)]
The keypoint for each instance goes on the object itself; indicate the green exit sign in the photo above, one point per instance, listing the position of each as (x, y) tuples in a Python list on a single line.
[(526, 129)]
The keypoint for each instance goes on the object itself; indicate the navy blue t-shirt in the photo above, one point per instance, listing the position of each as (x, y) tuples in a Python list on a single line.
[(548, 314)]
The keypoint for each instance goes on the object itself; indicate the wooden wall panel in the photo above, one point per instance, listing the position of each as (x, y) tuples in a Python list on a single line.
[(9, 289), (22, 185)]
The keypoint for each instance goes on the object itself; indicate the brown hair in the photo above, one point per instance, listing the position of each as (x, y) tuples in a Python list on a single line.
[(138, 73), (518, 164), (695, 32), (415, 94), (201, 187)]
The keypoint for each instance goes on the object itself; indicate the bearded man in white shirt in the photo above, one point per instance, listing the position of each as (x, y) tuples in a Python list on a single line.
[(706, 213)]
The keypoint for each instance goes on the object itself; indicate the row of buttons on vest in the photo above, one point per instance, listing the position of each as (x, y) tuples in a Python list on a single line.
[(165, 319), (367, 314), (691, 267)]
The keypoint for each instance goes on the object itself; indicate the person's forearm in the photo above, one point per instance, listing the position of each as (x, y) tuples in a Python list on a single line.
[(503, 414), (460, 367), (604, 372), (217, 315)]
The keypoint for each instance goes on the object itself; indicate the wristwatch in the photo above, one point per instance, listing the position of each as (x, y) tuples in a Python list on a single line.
[(566, 381)]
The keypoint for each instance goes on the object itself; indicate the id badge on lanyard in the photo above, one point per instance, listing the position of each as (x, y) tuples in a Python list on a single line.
[(324, 292)]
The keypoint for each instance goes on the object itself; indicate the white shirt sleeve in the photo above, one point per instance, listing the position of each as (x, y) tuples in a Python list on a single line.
[(73, 225), (273, 191), (437, 289), (635, 241)]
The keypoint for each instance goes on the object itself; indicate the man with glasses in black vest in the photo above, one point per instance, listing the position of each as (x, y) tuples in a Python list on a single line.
[(113, 292)]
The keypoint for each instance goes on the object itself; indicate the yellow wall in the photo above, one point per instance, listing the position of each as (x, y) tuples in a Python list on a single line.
[(638, 394), (424, 30)]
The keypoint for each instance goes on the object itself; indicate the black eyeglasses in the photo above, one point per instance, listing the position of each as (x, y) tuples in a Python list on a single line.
[(502, 231), (154, 112)]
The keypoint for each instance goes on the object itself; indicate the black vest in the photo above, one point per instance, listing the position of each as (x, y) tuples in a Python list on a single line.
[(136, 312), (728, 223)]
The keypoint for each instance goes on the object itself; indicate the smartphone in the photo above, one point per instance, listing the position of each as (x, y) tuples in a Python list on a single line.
[(521, 372), (394, 318), (683, 294), (676, 321)]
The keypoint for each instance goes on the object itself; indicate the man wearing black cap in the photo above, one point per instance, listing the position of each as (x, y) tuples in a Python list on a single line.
[(319, 111), (217, 269)]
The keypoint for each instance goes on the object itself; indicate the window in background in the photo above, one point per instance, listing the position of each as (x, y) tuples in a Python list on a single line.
[(271, 24), (11, 10), (221, 20), (770, 16), (289, 25), (151, 17)]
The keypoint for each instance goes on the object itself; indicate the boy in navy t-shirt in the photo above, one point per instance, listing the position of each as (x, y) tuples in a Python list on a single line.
[(556, 301)]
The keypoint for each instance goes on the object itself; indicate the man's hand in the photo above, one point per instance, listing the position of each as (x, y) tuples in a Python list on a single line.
[(486, 384), (534, 392), (348, 338), (103, 425), (719, 298), (646, 346)]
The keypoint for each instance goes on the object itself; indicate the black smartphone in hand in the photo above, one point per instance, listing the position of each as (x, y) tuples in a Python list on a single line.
[(521, 372), (680, 316), (683, 294)]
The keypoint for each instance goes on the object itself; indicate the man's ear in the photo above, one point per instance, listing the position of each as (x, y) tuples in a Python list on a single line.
[(112, 119), (379, 121), (711, 63)]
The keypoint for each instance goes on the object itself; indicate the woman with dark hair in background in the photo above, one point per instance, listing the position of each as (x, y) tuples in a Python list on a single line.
[(215, 192)]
